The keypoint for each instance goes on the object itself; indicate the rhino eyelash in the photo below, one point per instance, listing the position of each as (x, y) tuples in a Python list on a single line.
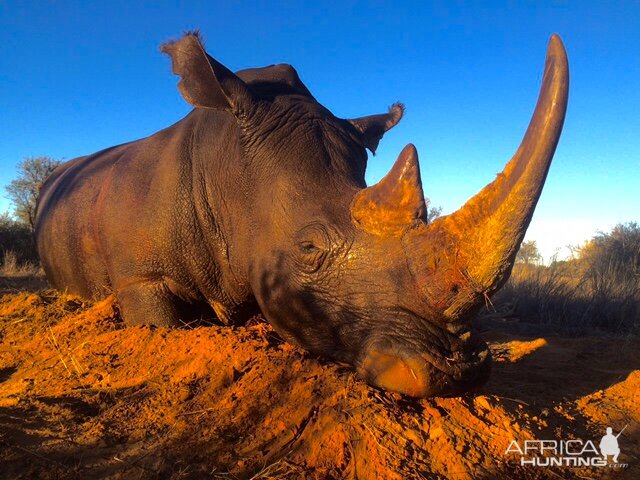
[(308, 247)]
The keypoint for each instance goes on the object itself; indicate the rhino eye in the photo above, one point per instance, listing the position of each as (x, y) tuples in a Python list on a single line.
[(308, 247), (313, 243), (311, 257)]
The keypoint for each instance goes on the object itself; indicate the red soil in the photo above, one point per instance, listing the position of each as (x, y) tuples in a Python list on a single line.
[(81, 396)]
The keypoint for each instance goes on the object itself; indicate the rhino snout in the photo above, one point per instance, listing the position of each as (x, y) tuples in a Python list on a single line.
[(429, 374)]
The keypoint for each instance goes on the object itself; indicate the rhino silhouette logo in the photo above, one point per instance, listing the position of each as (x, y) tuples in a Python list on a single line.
[(609, 444)]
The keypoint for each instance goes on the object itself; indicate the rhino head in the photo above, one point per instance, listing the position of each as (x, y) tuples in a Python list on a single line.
[(356, 273)]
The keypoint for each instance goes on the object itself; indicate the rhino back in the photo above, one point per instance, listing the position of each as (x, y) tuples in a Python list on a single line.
[(142, 211)]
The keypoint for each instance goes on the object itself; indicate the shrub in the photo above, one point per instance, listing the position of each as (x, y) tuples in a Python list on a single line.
[(16, 242), (600, 289)]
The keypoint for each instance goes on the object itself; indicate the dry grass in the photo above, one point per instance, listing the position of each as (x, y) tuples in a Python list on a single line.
[(598, 289), (10, 267), (575, 298), (16, 276)]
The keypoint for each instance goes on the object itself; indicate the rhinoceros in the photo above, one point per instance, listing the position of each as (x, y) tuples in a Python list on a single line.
[(256, 201)]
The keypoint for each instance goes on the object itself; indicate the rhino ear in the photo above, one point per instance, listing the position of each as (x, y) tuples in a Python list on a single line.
[(374, 127), (205, 82)]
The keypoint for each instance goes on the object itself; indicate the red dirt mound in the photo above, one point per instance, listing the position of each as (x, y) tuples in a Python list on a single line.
[(81, 396)]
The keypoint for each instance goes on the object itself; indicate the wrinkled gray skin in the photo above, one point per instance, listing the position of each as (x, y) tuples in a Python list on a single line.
[(245, 205)]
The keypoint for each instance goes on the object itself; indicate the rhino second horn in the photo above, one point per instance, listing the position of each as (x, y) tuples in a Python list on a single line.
[(396, 201)]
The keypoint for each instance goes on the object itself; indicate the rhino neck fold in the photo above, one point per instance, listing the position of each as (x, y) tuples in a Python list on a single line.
[(219, 205)]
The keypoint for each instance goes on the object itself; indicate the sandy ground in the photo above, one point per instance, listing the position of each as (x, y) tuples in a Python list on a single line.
[(81, 396)]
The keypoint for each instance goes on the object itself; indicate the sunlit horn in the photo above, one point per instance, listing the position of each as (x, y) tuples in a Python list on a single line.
[(488, 229), (396, 201)]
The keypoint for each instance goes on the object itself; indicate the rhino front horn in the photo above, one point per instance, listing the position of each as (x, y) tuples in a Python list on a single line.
[(396, 201), (481, 239)]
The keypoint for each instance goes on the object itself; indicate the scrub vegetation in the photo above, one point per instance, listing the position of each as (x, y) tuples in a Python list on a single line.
[(597, 289)]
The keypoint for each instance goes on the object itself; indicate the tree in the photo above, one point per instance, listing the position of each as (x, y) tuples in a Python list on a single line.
[(23, 191), (529, 253), (432, 212), (615, 253)]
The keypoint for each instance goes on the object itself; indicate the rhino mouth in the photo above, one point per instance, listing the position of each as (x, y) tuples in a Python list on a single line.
[(427, 372)]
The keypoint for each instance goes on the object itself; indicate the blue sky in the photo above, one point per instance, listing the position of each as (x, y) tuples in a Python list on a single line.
[(76, 77)]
